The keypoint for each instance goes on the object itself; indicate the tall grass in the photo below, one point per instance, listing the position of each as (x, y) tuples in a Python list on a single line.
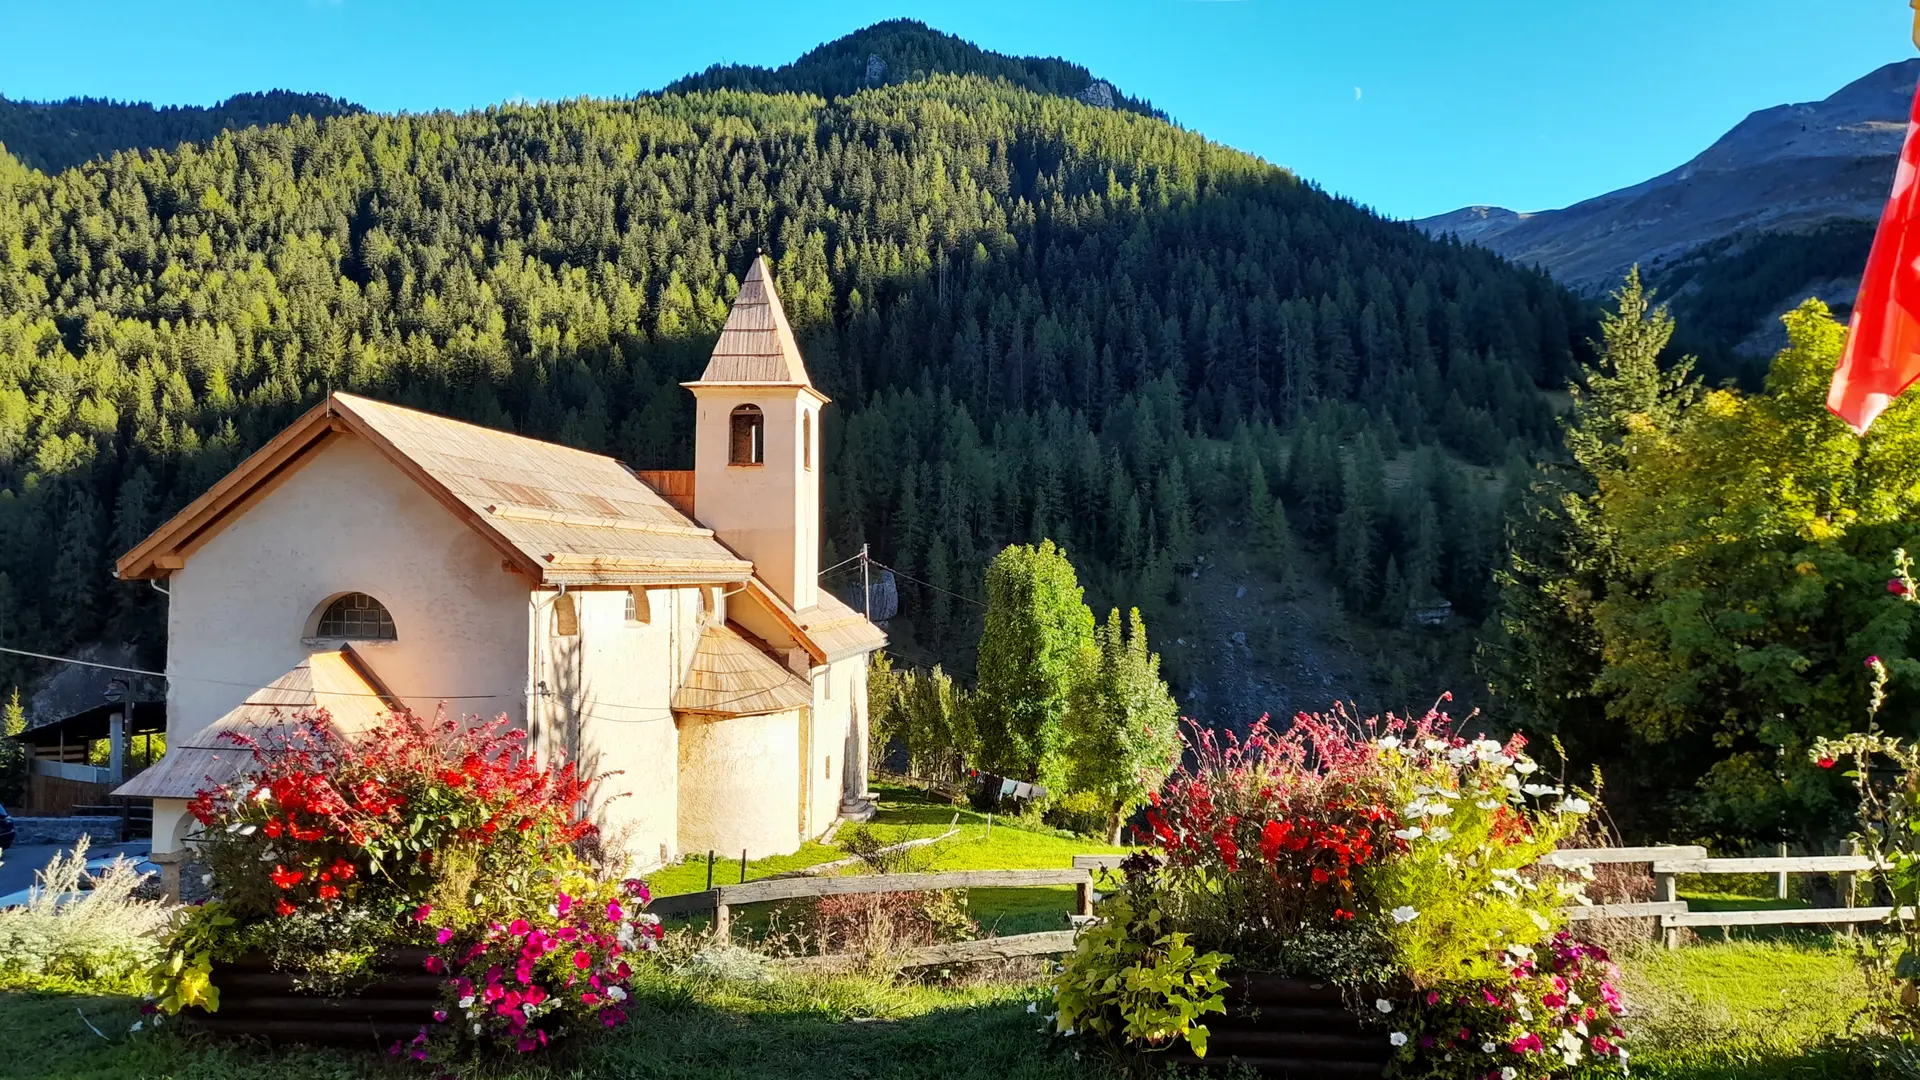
[(104, 936)]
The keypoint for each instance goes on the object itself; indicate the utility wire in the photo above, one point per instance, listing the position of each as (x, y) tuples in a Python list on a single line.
[(226, 682), (930, 585)]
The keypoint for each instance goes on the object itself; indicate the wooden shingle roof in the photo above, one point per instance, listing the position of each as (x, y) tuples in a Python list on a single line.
[(829, 631), (559, 515), (731, 676), (756, 346), (336, 680)]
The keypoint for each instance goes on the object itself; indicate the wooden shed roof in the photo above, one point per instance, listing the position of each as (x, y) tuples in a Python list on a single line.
[(731, 676), (559, 515), (337, 681), (756, 346)]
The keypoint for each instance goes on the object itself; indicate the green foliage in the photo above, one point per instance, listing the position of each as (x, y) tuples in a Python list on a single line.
[(103, 935), (1037, 631), (13, 755), (1752, 537), (926, 712), (1133, 980), (1040, 318), (183, 977), (1122, 724), (55, 135), (908, 51)]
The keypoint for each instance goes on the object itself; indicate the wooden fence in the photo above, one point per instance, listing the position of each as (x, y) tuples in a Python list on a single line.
[(1667, 863)]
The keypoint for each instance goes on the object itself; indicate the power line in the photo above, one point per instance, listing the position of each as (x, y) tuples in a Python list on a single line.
[(928, 584), (227, 682)]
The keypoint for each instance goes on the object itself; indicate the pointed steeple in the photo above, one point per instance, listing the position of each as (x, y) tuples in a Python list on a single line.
[(756, 346)]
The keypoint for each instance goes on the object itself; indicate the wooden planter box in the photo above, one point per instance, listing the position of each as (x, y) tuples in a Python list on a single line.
[(257, 1001), (1289, 1028)]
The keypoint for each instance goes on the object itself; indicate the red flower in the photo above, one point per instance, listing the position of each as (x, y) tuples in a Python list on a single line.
[(582, 959), (1897, 587), (1825, 763), (329, 892), (284, 878), (282, 908)]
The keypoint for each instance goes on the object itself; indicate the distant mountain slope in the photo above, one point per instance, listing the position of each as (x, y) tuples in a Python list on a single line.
[(55, 135), (903, 50), (1788, 169)]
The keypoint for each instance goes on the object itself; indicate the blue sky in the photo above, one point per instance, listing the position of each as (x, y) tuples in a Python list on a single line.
[(1411, 106)]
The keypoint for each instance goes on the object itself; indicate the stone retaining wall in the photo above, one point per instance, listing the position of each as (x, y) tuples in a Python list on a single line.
[(65, 831)]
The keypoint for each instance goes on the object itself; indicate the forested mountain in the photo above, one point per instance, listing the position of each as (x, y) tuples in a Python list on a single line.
[(1037, 318), (54, 135), (905, 50)]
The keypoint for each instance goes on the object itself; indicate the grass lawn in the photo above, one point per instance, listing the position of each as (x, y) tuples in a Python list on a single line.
[(1768, 1009), (908, 814), (682, 1027), (1744, 1010)]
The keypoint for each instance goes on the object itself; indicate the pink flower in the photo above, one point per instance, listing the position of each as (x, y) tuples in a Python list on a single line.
[(518, 927), (1554, 1001), (1897, 587), (614, 914), (1526, 1044), (445, 935), (611, 1017), (420, 913), (1601, 1046), (1433, 997), (582, 959), (436, 965), (439, 1016), (564, 904)]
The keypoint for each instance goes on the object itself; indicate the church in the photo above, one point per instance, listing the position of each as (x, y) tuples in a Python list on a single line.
[(664, 630)]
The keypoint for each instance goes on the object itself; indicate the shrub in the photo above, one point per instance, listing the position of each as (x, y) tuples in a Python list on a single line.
[(1133, 978), (1397, 858), (103, 936), (523, 983), (1555, 1008), (329, 851)]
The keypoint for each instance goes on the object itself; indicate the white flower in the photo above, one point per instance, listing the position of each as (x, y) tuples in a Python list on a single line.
[(1487, 804), (1411, 832), (1390, 742), (262, 795), (1067, 1034), (137, 1025), (616, 993), (1439, 833), (1416, 808), (476, 1029), (206, 879), (1523, 766), (1033, 1007), (1438, 809), (1574, 805), (1383, 1005), (1539, 920), (1434, 746), (1486, 747), (1405, 914), (466, 1002), (1510, 782), (1508, 1072), (1537, 790), (1398, 1038), (1487, 1048), (233, 828)]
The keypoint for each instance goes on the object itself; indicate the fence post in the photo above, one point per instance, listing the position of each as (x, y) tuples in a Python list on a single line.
[(1083, 894), (722, 917), (1667, 887), (1780, 887), (1849, 888)]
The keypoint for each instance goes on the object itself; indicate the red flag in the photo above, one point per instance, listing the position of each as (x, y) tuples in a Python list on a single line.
[(1883, 348)]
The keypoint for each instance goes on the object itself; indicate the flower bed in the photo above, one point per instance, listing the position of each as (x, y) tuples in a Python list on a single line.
[(426, 884), (1393, 861)]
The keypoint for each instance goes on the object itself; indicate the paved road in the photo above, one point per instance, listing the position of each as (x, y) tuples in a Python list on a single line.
[(19, 863)]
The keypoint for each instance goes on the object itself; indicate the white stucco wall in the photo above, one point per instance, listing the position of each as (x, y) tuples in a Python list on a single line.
[(347, 521), (740, 784), (611, 711), (769, 513)]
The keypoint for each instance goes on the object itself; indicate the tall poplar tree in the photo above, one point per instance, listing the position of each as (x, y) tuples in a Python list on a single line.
[(1031, 650)]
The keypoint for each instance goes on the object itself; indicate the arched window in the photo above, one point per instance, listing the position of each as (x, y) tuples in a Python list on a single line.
[(748, 445), (806, 440), (356, 617)]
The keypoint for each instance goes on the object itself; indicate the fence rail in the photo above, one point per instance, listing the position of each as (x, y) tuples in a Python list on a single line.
[(1667, 864)]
